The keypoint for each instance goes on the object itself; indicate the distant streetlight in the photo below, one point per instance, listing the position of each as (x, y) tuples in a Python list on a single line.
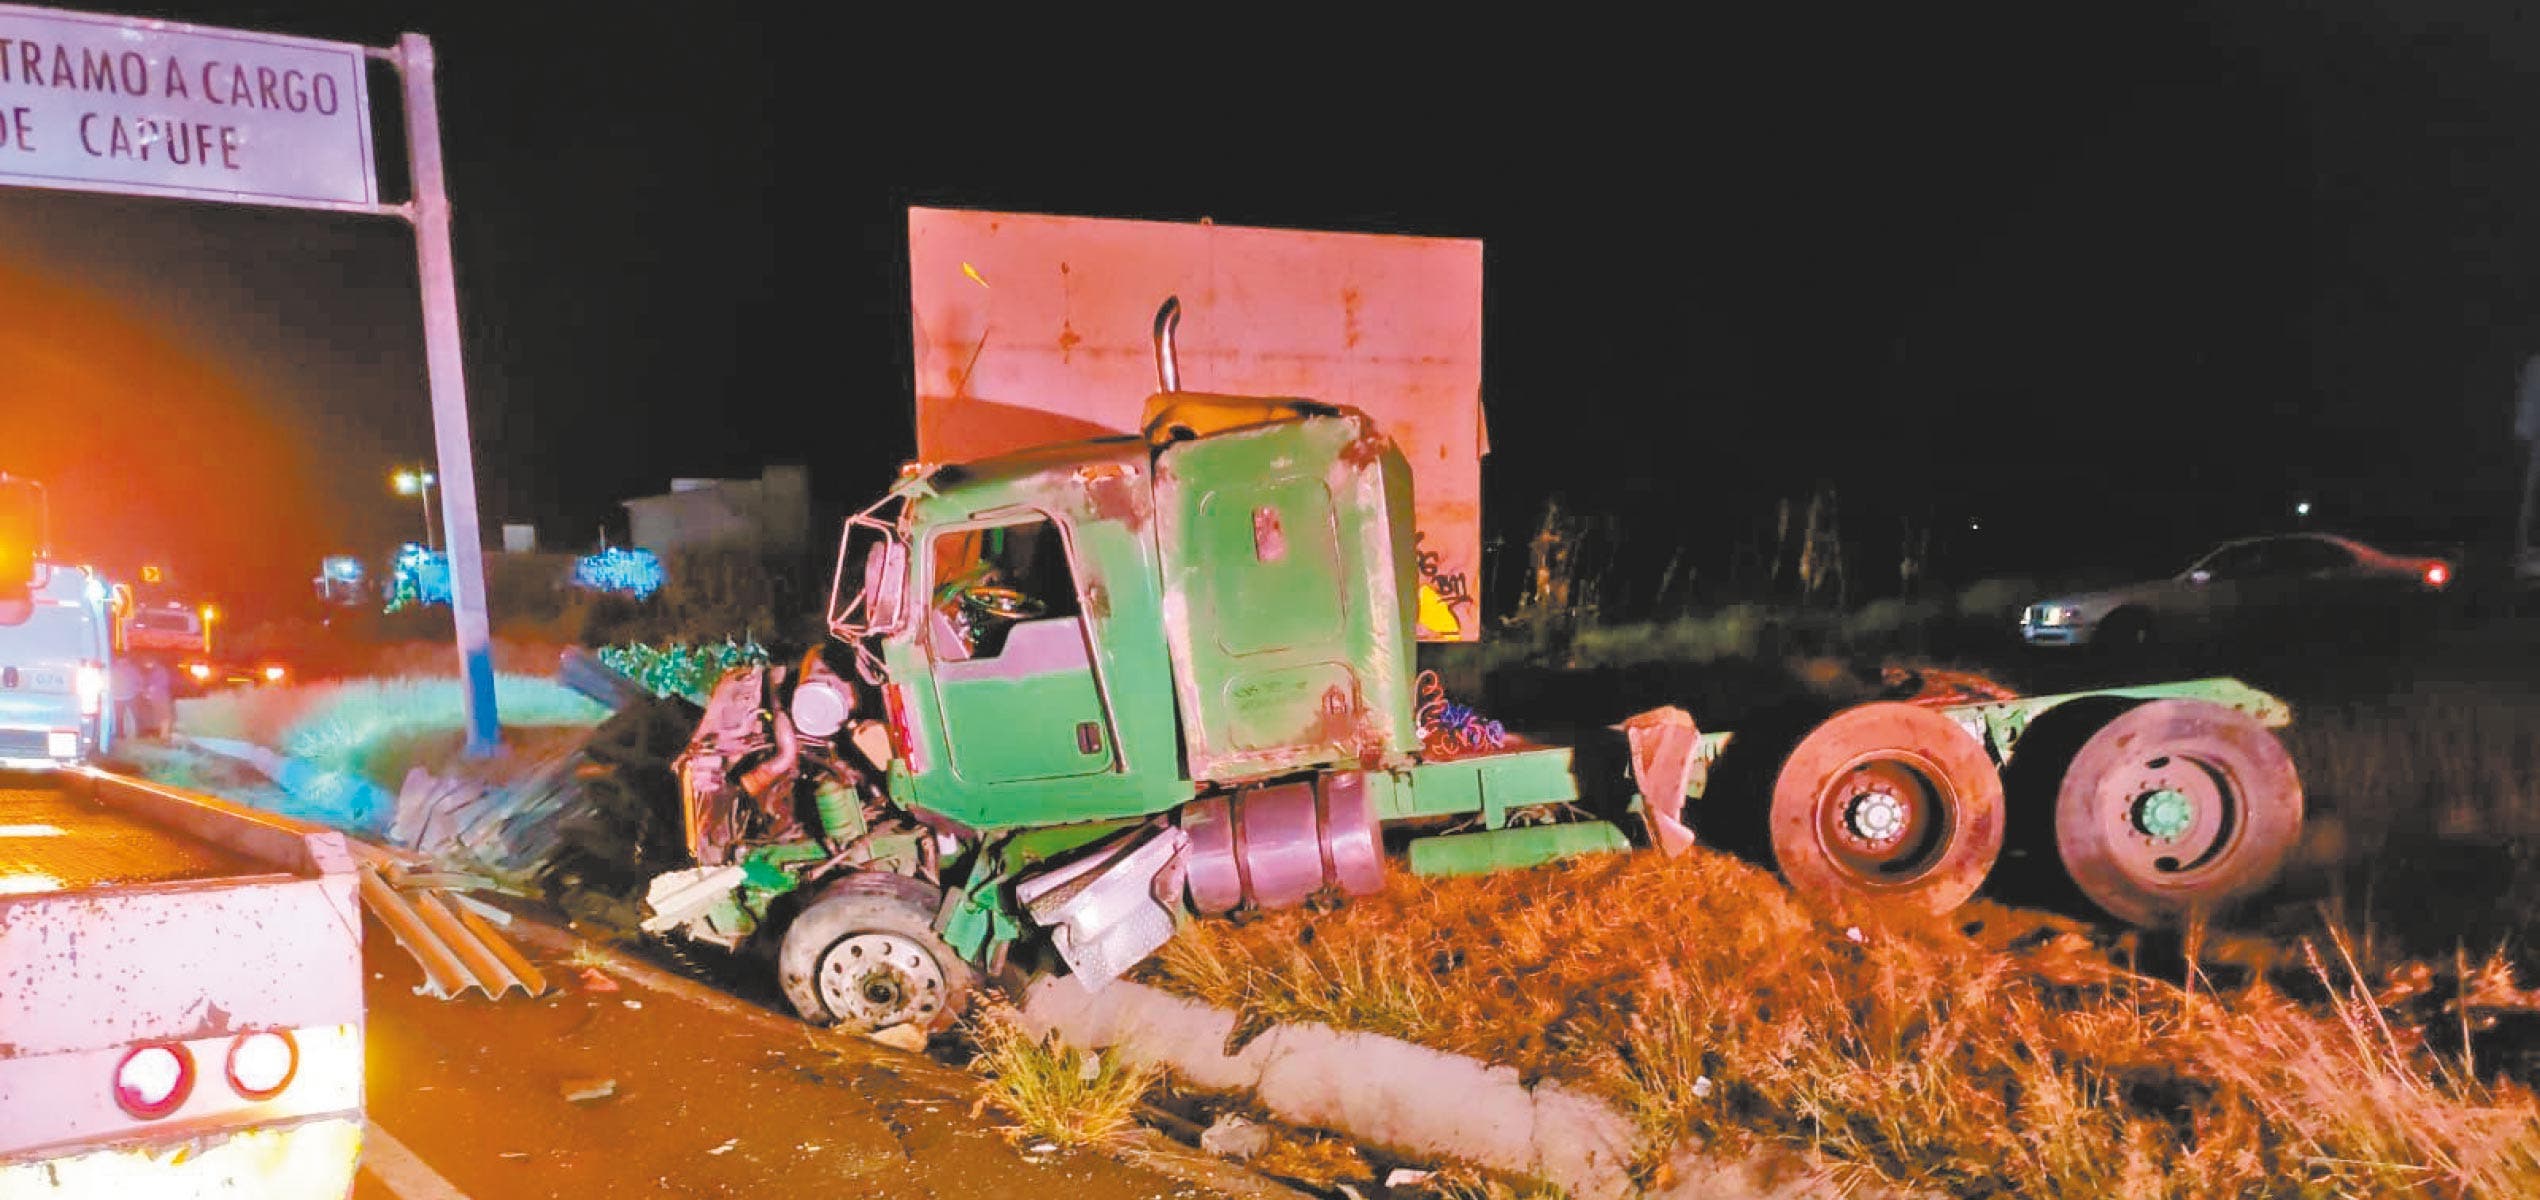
[(2302, 509), (209, 614), (419, 483)]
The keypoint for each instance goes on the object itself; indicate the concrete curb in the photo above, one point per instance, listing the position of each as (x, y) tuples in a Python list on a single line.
[(1147, 1149), (1405, 1097)]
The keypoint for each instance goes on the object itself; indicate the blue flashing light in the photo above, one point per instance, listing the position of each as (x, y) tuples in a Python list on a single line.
[(420, 576)]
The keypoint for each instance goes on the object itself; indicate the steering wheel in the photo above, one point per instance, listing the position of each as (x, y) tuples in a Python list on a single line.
[(1001, 602)]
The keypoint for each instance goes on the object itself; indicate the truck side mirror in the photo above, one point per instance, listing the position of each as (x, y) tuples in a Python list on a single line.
[(886, 587)]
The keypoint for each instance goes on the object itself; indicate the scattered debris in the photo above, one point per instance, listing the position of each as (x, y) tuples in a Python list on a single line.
[(583, 1091), (634, 1004), (456, 948), (596, 980), (1234, 1137), (1406, 1177), (904, 1036), (726, 1147)]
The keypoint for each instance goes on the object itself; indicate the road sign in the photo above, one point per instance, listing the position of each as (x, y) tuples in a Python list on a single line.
[(155, 108)]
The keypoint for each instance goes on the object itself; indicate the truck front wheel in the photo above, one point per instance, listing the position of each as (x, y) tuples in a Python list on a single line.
[(864, 957), (1887, 803)]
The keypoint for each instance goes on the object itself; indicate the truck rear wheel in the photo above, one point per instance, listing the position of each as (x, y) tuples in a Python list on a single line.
[(864, 957), (2175, 807), (1890, 803)]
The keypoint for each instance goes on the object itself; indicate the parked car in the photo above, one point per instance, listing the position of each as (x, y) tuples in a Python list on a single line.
[(2261, 585)]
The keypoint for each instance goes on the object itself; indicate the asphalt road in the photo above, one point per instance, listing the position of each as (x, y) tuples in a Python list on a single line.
[(686, 1092)]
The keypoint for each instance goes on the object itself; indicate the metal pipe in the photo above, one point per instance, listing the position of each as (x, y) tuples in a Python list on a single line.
[(758, 781), (1167, 373)]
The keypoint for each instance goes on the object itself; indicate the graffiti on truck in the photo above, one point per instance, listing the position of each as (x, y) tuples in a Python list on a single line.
[(1446, 597)]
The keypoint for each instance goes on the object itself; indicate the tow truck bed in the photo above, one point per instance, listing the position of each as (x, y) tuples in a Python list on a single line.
[(137, 918), (55, 839)]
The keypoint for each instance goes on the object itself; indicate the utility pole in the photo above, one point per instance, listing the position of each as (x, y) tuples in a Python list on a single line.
[(430, 212)]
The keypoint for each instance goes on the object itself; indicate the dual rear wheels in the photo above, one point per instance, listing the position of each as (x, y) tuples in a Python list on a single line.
[(2160, 810), (1891, 804), (2175, 808)]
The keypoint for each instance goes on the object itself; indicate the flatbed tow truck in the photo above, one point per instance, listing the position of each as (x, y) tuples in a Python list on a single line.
[(181, 1009), (180, 995)]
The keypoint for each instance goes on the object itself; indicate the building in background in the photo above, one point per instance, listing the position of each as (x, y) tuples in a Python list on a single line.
[(770, 515)]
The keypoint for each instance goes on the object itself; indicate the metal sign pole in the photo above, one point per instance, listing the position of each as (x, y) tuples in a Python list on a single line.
[(431, 216)]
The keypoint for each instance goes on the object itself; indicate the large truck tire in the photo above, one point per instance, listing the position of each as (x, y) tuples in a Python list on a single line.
[(1888, 804), (864, 957), (2175, 808)]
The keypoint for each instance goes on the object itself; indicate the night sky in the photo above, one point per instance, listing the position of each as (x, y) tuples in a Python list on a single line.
[(2108, 287)]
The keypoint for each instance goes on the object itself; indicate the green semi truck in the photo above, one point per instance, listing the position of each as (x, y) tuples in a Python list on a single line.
[(1102, 688)]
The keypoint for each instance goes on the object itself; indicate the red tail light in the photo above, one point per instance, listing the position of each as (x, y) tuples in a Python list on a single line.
[(2437, 574), (154, 1080), (895, 704), (261, 1064), (90, 681)]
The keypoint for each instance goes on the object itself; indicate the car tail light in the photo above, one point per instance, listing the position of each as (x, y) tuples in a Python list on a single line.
[(90, 681), (261, 1064), (2437, 574), (154, 1079)]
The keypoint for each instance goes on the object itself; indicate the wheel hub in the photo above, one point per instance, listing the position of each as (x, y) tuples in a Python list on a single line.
[(1876, 816), (2164, 814), (2176, 815), (1884, 820), (877, 980)]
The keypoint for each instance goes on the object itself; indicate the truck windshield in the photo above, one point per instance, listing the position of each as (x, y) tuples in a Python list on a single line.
[(53, 632)]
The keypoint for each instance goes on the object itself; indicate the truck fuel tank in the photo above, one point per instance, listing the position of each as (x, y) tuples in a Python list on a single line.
[(1273, 846)]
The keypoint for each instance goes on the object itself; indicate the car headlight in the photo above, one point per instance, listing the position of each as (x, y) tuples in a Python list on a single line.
[(2057, 615)]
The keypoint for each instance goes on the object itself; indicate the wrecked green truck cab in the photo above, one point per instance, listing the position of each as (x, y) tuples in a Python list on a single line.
[(1102, 688)]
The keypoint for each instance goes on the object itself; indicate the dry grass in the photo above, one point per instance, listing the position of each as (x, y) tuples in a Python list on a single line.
[(2458, 762), (1467, 1184), (1314, 1160), (1697, 993), (1055, 1092)]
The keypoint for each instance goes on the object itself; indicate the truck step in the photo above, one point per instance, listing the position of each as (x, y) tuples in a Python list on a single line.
[(1511, 849)]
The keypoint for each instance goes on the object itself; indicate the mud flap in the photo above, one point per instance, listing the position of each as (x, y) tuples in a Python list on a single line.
[(1103, 911), (1665, 768)]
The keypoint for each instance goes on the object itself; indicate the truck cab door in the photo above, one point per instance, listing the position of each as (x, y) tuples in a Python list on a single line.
[(1014, 669)]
